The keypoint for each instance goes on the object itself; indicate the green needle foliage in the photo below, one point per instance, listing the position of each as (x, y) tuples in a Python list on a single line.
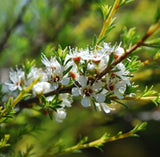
[(116, 71)]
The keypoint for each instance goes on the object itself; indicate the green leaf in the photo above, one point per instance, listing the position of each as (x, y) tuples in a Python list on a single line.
[(77, 151), (50, 114), (119, 133), (157, 15), (148, 92), (28, 65), (133, 64), (44, 99), (129, 37), (3, 141), (124, 2), (134, 135), (109, 29), (60, 52), (111, 58), (83, 140), (65, 52), (101, 39), (105, 10), (94, 41), (142, 126), (121, 103), (139, 127), (67, 70)]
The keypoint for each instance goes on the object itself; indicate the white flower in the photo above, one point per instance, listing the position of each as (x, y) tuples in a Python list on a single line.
[(78, 55), (88, 91), (106, 48), (35, 73), (60, 115), (40, 88), (117, 81), (55, 72), (66, 100), (119, 51), (7, 93), (17, 79)]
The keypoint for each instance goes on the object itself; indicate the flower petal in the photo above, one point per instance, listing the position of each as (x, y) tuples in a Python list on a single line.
[(106, 108), (85, 102), (65, 80), (82, 80), (75, 91), (100, 97)]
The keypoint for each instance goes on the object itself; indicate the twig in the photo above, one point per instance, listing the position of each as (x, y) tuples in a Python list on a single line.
[(99, 142), (150, 31), (106, 22), (16, 23)]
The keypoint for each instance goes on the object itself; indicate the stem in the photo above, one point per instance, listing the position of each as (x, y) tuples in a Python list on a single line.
[(147, 99), (150, 31), (106, 22), (19, 97), (95, 143)]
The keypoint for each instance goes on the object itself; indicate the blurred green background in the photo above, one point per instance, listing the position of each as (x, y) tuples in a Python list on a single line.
[(28, 27)]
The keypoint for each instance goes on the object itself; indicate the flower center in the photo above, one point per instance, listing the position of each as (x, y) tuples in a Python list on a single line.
[(111, 87), (56, 78), (53, 68), (87, 91), (96, 59), (76, 59), (73, 75)]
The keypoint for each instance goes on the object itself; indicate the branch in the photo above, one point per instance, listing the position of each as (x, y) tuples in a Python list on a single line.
[(11, 103), (102, 140), (144, 99), (16, 23), (150, 31), (106, 22), (29, 103)]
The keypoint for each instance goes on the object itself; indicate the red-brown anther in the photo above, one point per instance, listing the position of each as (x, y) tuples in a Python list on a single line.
[(21, 83), (53, 68), (73, 75), (111, 87), (115, 56), (87, 91), (96, 61), (113, 75), (76, 59)]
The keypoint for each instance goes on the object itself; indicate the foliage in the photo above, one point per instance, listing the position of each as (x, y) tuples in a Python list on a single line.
[(40, 105)]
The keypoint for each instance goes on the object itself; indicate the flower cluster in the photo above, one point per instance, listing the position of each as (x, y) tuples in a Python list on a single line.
[(78, 69)]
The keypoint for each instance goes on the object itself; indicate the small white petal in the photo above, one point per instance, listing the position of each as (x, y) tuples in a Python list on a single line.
[(118, 94), (100, 97), (65, 81), (82, 80), (54, 86), (60, 115), (85, 102), (119, 51), (75, 91), (41, 87), (97, 85), (106, 108), (50, 98), (98, 106)]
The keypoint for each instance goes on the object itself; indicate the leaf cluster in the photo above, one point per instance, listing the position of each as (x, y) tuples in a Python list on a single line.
[(50, 106), (129, 37)]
